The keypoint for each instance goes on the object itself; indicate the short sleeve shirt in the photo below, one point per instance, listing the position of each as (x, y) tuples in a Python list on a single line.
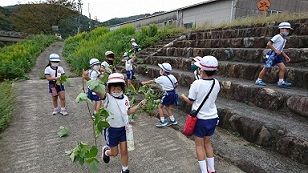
[(165, 83), (128, 65), (117, 108), (93, 74), (197, 92), (52, 72), (278, 42)]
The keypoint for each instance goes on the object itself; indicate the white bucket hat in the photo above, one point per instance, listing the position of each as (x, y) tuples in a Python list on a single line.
[(116, 78), (166, 67), (94, 61), (207, 63), (108, 53), (286, 25), (197, 58), (54, 57)]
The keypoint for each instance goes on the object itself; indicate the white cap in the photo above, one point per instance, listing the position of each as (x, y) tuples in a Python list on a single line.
[(207, 63), (125, 54), (94, 61), (116, 78), (54, 57), (197, 58), (166, 67), (286, 25), (132, 40), (108, 53)]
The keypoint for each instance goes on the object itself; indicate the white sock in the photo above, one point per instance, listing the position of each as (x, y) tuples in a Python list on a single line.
[(162, 119), (106, 153), (280, 80), (172, 118), (94, 112), (210, 164), (202, 165), (259, 79), (63, 108), (124, 168)]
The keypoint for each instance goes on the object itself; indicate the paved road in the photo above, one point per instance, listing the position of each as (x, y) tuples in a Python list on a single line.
[(31, 143)]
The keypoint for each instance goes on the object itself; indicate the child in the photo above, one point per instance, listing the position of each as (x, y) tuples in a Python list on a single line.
[(94, 74), (135, 46), (129, 68), (207, 116), (275, 55), (119, 108), (52, 73), (194, 68), (105, 65), (168, 83)]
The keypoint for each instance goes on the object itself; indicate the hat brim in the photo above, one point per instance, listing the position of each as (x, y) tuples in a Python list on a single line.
[(54, 60), (161, 66)]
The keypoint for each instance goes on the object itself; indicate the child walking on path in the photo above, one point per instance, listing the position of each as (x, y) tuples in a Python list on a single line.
[(168, 83), (94, 74), (53, 73), (119, 108), (276, 55), (207, 115), (129, 68)]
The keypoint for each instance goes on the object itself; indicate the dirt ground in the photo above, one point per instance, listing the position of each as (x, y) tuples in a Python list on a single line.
[(31, 143)]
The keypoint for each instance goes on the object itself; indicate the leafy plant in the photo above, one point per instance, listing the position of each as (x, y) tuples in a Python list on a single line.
[(62, 132), (7, 102), (151, 97)]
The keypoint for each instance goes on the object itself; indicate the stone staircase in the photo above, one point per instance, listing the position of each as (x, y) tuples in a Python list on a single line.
[(269, 120)]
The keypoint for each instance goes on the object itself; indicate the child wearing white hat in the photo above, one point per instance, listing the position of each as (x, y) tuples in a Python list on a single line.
[(275, 56), (168, 83)]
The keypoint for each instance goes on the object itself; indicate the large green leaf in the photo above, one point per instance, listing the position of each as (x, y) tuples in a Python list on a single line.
[(92, 152), (82, 97), (62, 132)]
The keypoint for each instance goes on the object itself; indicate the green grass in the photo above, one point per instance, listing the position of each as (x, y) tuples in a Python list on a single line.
[(7, 102), (246, 21)]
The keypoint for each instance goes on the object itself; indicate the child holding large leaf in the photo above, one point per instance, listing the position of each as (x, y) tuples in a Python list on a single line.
[(119, 108), (54, 73)]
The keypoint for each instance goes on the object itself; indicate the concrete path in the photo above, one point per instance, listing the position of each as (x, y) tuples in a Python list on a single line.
[(31, 143)]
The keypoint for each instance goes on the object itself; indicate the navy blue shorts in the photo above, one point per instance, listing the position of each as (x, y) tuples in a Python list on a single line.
[(274, 60), (58, 87), (114, 136), (168, 98), (205, 127), (92, 96), (130, 74)]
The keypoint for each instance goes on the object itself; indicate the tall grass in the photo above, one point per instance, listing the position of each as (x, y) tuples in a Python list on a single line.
[(19, 58), (7, 101), (78, 50)]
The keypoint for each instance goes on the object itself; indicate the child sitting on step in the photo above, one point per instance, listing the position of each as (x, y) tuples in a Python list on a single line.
[(168, 83), (275, 56)]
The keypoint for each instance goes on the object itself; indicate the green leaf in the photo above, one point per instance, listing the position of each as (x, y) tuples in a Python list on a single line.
[(73, 156), (94, 165), (83, 97), (80, 160), (63, 78), (103, 112), (92, 152), (96, 86), (62, 132)]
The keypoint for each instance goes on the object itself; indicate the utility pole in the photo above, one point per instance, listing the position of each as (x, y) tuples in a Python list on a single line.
[(89, 17), (79, 16)]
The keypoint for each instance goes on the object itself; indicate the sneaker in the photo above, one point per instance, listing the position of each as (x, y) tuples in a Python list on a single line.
[(55, 111), (169, 123), (104, 156), (260, 83), (161, 124), (284, 84), (127, 171), (64, 112)]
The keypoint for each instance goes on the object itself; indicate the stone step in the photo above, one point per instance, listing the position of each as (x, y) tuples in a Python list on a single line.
[(273, 130), (240, 42), (294, 101), (249, 71), (266, 30), (298, 56)]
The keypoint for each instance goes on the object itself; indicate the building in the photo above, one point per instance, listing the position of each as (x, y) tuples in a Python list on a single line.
[(213, 12)]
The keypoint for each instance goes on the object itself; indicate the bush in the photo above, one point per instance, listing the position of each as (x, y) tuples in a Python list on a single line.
[(6, 104)]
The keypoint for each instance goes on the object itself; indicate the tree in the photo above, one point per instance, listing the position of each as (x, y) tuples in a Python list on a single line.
[(39, 18)]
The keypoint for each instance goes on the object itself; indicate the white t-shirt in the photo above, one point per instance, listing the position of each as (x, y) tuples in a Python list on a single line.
[(117, 108), (93, 74), (106, 65), (165, 83), (128, 65), (197, 92), (278, 42), (134, 44), (52, 72)]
